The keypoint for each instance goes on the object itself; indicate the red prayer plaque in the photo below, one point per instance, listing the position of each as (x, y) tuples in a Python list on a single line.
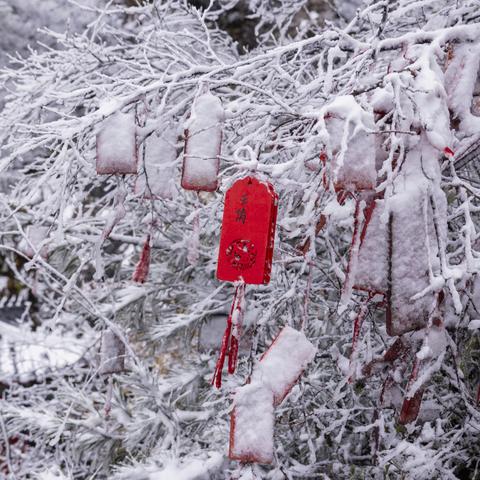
[(203, 144), (117, 145), (282, 364), (252, 424), (409, 249), (248, 232)]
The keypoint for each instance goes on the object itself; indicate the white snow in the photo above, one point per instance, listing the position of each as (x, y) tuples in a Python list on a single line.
[(204, 466), (116, 145), (203, 144), (25, 354), (474, 324)]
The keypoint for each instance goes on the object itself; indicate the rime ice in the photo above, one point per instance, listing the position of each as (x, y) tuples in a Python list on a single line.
[(36, 237)]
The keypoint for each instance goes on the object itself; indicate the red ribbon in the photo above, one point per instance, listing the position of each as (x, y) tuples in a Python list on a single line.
[(231, 337)]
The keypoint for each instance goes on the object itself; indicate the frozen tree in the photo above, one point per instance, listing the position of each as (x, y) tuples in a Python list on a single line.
[(24, 24), (368, 130)]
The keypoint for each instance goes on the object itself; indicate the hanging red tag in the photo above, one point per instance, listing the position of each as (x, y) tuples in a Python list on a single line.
[(282, 364), (140, 274), (409, 261), (248, 232), (252, 425), (117, 145)]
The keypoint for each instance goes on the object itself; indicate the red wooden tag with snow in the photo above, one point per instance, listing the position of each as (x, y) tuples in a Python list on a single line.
[(157, 178), (283, 363), (251, 421), (203, 143), (117, 145), (248, 232), (370, 272), (251, 425), (411, 242), (112, 354), (351, 156)]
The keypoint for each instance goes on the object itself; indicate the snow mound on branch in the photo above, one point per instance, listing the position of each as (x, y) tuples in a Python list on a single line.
[(431, 106)]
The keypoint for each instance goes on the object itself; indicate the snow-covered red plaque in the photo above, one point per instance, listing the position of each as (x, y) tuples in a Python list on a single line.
[(413, 248), (156, 179), (370, 269), (283, 363), (117, 145), (251, 424), (203, 142), (351, 146), (248, 232), (112, 354)]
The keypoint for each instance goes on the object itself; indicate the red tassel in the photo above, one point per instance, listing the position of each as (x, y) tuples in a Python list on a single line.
[(232, 355), (357, 327), (411, 406), (448, 152), (217, 375), (141, 271), (236, 328), (231, 337)]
